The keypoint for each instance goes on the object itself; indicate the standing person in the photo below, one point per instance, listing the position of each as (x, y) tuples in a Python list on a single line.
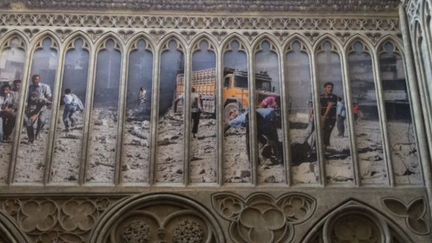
[(341, 115), (9, 103), (37, 103), (142, 96), (71, 104), (356, 111), (196, 107), (328, 112), (16, 85), (7, 112)]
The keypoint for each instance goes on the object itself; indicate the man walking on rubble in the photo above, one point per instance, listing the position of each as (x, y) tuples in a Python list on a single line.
[(71, 104), (328, 112), (37, 102)]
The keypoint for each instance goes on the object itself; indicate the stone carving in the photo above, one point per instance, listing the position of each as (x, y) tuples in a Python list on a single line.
[(188, 232), (137, 231), (157, 218), (414, 213), (355, 228), (281, 23), (354, 221), (262, 218), (161, 223), (413, 8), (217, 5), (56, 220)]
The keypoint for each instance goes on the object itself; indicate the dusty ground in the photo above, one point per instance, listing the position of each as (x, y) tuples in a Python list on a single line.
[(303, 171), (203, 166), (237, 169), (170, 150), (101, 161), (5, 156), (136, 151), (370, 152), (404, 154), (67, 150), (169, 167), (30, 163)]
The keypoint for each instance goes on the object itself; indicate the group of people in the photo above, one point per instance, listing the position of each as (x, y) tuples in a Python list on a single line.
[(9, 105), (268, 123), (38, 102), (332, 112)]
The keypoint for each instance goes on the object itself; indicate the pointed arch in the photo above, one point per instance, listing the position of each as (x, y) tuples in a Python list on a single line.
[(385, 224), (205, 36), (9, 231), (140, 36), (235, 36), (79, 34), (266, 37), (390, 38), (42, 36), (172, 36), (105, 37), (299, 38), (358, 37), (332, 39), (242, 42), (11, 34), (142, 204)]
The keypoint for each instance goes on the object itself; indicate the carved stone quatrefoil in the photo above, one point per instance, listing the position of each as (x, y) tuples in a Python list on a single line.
[(261, 217)]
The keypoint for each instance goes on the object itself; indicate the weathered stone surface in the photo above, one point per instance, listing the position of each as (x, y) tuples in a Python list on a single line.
[(215, 5)]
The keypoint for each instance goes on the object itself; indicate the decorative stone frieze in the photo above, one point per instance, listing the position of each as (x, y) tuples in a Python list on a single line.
[(414, 213), (262, 218), (216, 5), (56, 219), (157, 218), (304, 23)]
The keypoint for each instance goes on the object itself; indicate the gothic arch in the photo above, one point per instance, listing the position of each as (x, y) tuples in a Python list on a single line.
[(14, 34), (171, 36), (9, 232), (269, 38), (239, 38), (140, 36), (379, 227), (332, 39), (361, 39), (157, 217), (204, 36), (299, 38)]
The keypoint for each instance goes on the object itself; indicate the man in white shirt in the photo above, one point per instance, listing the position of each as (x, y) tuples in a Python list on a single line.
[(71, 104), (37, 102)]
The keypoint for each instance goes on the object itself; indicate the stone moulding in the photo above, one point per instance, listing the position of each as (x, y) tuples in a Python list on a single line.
[(261, 217), (222, 22), (213, 217), (213, 5), (160, 217)]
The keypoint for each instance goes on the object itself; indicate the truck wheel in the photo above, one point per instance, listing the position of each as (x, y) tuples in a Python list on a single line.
[(231, 111)]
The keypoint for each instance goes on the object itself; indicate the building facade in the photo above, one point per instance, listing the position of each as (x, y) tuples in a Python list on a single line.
[(215, 121)]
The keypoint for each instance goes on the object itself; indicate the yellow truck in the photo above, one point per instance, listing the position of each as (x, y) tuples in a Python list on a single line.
[(235, 89)]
